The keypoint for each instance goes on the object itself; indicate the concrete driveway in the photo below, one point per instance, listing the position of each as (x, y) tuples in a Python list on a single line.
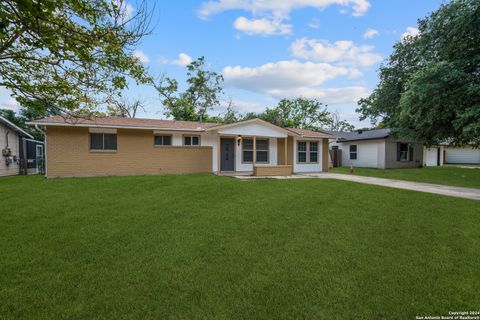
[(458, 192), (466, 193)]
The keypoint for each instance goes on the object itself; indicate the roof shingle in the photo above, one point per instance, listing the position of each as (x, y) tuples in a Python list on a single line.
[(310, 133), (126, 122)]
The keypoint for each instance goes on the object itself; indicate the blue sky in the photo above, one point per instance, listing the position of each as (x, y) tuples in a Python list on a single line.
[(269, 49)]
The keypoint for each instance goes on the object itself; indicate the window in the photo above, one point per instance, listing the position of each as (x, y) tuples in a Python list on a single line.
[(103, 141), (353, 152), (313, 152), (247, 150), (404, 152), (334, 147), (191, 140), (163, 140), (302, 151), (307, 151), (262, 150)]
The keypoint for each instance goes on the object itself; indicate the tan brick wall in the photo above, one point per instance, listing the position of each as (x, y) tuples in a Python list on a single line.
[(280, 170), (69, 155)]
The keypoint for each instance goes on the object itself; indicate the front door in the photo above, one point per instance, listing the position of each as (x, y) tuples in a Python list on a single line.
[(227, 154)]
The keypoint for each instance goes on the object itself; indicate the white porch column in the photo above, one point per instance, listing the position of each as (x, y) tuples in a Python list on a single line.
[(219, 156), (254, 150)]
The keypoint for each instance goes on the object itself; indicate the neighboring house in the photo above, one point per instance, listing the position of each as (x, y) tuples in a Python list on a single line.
[(14, 145), (377, 149), (445, 154), (112, 146)]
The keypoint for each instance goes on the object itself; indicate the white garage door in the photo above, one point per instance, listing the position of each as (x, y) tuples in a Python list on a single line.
[(431, 157), (462, 155)]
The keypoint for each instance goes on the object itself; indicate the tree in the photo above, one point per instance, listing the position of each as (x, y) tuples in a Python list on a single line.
[(429, 88), (70, 55), (29, 114), (202, 94), (126, 108), (296, 113), (336, 124)]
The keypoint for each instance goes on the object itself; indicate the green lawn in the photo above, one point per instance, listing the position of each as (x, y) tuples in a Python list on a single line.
[(448, 175), (206, 247)]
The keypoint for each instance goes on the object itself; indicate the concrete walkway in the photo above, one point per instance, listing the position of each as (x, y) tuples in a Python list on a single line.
[(466, 193)]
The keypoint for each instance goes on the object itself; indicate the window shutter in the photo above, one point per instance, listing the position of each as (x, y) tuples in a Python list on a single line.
[(398, 151), (410, 152)]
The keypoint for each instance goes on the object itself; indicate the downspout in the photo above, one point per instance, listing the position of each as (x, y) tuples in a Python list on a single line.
[(40, 130)]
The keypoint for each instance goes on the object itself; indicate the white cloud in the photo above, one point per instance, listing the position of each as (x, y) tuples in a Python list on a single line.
[(331, 96), (278, 7), (141, 56), (262, 26), (271, 15), (283, 74), (291, 78), (314, 24), (370, 33), (182, 60), (411, 31), (11, 104), (345, 52)]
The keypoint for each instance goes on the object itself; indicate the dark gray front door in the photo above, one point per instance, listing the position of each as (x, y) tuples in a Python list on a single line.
[(227, 154)]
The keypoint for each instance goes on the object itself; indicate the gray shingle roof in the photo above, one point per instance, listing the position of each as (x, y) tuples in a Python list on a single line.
[(363, 135)]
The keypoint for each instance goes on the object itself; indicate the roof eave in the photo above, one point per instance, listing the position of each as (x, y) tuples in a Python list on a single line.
[(89, 125), (350, 140), (16, 128)]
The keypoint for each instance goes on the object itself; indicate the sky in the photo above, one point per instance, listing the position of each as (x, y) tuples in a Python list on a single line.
[(272, 49)]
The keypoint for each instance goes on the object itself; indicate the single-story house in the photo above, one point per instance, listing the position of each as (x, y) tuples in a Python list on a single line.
[(18, 149), (446, 154), (112, 146), (376, 149), (10, 137)]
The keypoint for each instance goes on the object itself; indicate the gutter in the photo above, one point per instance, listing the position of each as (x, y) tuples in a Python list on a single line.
[(55, 124)]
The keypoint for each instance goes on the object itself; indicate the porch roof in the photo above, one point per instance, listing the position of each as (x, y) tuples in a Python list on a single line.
[(305, 133)]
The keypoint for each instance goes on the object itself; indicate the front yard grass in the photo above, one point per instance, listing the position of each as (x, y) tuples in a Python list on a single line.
[(447, 175), (206, 247)]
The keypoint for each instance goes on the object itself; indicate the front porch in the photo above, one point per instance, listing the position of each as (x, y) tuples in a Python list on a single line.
[(253, 156), (259, 148)]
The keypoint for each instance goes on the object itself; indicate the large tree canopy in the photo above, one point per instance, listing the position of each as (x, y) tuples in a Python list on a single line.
[(204, 88), (72, 55), (429, 88), (302, 113)]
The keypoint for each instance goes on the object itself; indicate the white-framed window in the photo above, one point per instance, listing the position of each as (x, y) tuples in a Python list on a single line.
[(162, 140), (313, 151), (191, 140), (103, 141), (353, 152), (247, 150), (302, 151), (307, 151), (404, 151), (262, 148)]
